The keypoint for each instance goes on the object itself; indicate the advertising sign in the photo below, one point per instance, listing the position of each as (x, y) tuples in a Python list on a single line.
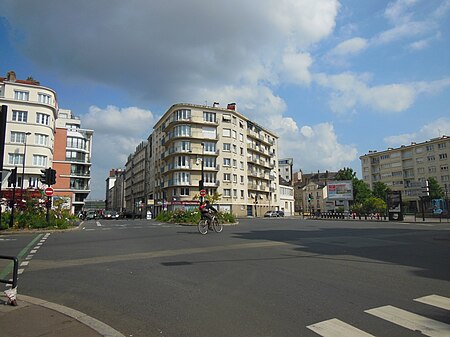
[(394, 204), (340, 190)]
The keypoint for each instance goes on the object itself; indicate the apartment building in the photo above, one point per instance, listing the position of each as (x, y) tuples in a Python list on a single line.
[(402, 168), (285, 170), (72, 160), (39, 135), (30, 128), (115, 190), (233, 156)]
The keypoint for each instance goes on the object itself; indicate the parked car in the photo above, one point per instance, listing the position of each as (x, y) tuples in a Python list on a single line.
[(91, 215), (280, 213), (110, 215), (271, 214)]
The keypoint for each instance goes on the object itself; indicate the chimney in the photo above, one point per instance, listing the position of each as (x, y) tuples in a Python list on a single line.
[(215, 104), (231, 106), (11, 76)]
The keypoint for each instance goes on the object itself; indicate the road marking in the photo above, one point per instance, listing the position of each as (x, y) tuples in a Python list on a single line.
[(426, 326), (337, 328), (34, 251), (24, 263), (44, 264), (99, 224), (436, 301)]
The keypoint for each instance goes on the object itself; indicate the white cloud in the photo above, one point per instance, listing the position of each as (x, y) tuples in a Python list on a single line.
[(296, 67), (351, 90), (397, 11), (431, 130), (117, 132), (351, 46)]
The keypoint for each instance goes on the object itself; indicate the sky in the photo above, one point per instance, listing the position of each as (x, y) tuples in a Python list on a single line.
[(333, 79)]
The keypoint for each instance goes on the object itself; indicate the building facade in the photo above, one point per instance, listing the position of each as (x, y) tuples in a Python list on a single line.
[(218, 148), (30, 128), (285, 170), (402, 168), (39, 135), (72, 160)]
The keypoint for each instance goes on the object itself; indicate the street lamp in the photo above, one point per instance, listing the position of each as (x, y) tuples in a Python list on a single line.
[(201, 183), (24, 158)]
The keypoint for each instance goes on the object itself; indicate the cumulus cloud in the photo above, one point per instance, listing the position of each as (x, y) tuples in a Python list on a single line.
[(352, 90), (296, 67), (117, 132), (351, 46), (433, 129)]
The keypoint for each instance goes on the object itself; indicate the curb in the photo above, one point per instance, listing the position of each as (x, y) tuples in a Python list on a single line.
[(100, 327)]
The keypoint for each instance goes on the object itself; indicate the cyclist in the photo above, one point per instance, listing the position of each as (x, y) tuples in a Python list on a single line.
[(206, 208)]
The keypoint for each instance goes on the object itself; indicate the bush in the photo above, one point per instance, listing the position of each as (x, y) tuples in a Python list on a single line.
[(190, 217)]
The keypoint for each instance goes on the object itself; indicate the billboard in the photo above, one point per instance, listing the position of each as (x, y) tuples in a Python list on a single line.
[(340, 190)]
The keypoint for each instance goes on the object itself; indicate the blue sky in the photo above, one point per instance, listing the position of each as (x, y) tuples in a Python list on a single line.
[(334, 79)]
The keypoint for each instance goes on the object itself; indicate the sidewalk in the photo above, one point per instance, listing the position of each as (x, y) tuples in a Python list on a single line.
[(34, 317)]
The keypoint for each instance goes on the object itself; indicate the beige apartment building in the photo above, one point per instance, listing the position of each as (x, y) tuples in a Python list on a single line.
[(236, 157), (30, 128), (403, 168), (39, 135)]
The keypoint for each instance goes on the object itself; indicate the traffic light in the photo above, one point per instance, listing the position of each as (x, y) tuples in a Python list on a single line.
[(309, 197), (52, 177), (426, 189), (48, 203), (12, 179)]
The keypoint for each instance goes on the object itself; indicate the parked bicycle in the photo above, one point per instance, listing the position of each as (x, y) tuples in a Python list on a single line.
[(203, 225)]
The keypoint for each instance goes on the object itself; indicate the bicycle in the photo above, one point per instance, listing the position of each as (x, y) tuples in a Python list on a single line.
[(215, 224)]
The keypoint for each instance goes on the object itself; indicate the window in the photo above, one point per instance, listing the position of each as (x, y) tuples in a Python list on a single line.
[(209, 117), (431, 169), (21, 95), (233, 134), (242, 194), (209, 132), (241, 165), (44, 98), (184, 191), (445, 178), (441, 146), (235, 178), (182, 178), (42, 118), (226, 177), (242, 179), (17, 137), (234, 148), (182, 130), (15, 159), (421, 170), (241, 137), (182, 161), (33, 182), (20, 116), (41, 139), (210, 177), (226, 132), (39, 160), (76, 143), (443, 156), (431, 158), (227, 192), (210, 162), (242, 151), (183, 114), (226, 161), (430, 147), (234, 163), (419, 160), (227, 147), (226, 118), (209, 147), (444, 168), (234, 193)]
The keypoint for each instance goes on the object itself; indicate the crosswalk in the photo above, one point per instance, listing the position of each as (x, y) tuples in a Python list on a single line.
[(408, 320), (107, 225)]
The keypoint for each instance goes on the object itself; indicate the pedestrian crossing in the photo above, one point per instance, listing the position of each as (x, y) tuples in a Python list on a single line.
[(408, 320), (106, 226)]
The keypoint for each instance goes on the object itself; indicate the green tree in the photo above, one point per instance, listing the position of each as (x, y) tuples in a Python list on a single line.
[(374, 205), (361, 190), (436, 191), (380, 190)]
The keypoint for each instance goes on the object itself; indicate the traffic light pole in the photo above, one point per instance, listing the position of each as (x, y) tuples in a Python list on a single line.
[(47, 216)]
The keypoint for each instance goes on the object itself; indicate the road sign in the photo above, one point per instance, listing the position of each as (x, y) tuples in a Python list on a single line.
[(48, 191), (202, 193)]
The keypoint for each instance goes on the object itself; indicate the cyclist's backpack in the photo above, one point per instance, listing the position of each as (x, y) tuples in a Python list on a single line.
[(202, 207)]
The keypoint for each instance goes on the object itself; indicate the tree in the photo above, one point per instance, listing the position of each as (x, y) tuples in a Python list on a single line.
[(346, 173), (374, 205), (361, 190), (436, 191), (380, 190)]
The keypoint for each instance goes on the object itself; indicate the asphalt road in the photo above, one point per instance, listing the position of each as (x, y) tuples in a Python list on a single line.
[(264, 277)]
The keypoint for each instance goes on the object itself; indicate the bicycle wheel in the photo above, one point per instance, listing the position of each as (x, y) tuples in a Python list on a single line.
[(217, 226), (202, 227)]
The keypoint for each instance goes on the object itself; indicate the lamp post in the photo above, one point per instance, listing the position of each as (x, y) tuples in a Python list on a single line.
[(24, 158), (201, 183)]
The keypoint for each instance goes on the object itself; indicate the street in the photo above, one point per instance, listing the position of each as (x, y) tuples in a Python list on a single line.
[(263, 277)]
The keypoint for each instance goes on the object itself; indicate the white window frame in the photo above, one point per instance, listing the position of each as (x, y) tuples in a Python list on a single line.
[(17, 137), (39, 160), (20, 116)]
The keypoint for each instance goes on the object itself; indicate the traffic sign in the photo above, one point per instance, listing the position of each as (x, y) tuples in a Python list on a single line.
[(202, 193), (48, 191)]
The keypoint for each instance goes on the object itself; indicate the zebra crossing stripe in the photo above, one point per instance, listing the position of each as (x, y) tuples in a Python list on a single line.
[(426, 326), (337, 328), (436, 301)]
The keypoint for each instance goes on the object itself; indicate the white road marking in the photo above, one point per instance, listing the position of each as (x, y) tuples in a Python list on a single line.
[(33, 251), (20, 271), (436, 301), (337, 328), (24, 263), (99, 224), (409, 320)]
